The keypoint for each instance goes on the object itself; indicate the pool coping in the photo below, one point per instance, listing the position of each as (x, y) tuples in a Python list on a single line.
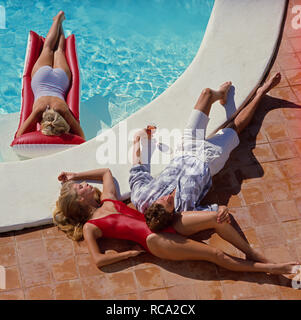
[(29, 188)]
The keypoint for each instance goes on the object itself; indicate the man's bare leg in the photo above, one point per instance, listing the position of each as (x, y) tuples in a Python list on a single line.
[(245, 116), (209, 96)]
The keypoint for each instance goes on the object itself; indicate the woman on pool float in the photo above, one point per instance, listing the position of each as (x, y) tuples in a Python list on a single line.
[(82, 211), (50, 82)]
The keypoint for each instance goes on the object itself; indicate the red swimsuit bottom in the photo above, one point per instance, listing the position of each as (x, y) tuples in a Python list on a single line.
[(129, 224)]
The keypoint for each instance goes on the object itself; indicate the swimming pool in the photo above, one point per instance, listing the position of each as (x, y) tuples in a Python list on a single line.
[(129, 51)]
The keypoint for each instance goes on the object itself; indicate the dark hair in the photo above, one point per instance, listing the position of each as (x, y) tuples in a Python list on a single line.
[(157, 218)]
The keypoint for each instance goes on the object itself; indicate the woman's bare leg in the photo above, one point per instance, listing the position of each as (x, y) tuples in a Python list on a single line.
[(59, 60), (46, 56), (191, 223), (245, 116), (209, 96), (175, 247)]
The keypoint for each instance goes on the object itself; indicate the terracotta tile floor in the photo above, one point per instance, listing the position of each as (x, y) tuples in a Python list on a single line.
[(260, 183)]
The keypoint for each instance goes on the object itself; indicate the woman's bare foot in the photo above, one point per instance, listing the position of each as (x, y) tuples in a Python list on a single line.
[(223, 89), (60, 16), (270, 84), (285, 268)]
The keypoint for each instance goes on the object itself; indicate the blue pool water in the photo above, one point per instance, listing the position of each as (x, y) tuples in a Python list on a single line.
[(129, 51)]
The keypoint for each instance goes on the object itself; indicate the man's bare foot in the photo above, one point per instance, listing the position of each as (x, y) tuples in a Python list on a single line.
[(223, 89), (285, 268), (270, 84), (60, 16)]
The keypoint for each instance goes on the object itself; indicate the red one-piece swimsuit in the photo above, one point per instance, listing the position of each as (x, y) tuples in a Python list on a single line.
[(129, 224)]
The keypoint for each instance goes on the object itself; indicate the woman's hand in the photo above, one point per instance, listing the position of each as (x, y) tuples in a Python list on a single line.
[(66, 176), (223, 215), (130, 253), (135, 251)]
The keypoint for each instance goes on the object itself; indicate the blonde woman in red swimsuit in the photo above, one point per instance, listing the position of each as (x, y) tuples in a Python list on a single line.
[(82, 211)]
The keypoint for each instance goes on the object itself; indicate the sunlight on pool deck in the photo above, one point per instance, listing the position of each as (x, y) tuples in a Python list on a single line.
[(261, 184)]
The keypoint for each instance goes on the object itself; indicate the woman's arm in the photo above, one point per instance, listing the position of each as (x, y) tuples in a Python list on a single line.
[(109, 189), (113, 257), (91, 234), (73, 123), (96, 174), (30, 123), (104, 175)]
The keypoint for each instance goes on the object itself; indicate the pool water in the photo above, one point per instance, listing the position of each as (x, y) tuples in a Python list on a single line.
[(129, 51)]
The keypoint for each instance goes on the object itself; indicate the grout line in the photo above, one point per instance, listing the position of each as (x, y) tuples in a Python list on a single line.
[(52, 280), (138, 289), (78, 272), (19, 266)]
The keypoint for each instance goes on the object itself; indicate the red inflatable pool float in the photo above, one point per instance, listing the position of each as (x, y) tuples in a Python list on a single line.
[(35, 144)]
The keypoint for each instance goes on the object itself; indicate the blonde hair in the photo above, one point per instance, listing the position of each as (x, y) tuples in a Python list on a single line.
[(53, 124), (70, 215)]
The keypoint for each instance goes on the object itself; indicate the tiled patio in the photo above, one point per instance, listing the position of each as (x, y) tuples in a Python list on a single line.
[(261, 183)]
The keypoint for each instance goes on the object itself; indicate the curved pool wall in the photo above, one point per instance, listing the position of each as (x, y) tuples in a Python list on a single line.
[(239, 45)]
